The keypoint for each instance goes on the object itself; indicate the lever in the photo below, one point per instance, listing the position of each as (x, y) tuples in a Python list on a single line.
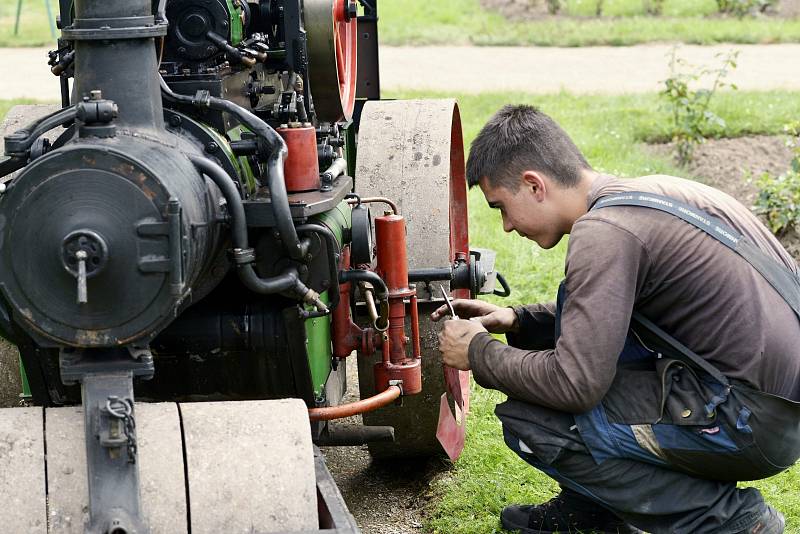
[(81, 256)]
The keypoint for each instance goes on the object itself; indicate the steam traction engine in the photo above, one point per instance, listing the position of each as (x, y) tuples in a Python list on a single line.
[(212, 222)]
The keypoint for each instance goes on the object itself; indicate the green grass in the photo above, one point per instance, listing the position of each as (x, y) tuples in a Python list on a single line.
[(34, 28), (465, 22), (5, 105), (410, 22), (610, 130)]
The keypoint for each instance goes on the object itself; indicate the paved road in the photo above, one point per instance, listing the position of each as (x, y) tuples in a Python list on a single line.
[(475, 69)]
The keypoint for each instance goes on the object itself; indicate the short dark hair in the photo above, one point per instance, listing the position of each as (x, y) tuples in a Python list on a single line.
[(519, 138)]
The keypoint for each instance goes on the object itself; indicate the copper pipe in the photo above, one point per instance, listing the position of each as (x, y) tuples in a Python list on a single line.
[(380, 400), (368, 200)]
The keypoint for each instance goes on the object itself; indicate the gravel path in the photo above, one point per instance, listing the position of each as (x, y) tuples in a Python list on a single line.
[(609, 70), (476, 69)]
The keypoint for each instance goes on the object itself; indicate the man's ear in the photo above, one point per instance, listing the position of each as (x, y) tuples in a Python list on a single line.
[(534, 182)]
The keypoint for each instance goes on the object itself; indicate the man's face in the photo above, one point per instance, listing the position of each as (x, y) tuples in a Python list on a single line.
[(530, 211)]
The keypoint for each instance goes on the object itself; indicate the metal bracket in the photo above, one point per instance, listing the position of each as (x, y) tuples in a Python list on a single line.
[(106, 378)]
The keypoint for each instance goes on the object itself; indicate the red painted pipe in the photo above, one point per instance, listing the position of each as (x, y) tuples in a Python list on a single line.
[(380, 400)]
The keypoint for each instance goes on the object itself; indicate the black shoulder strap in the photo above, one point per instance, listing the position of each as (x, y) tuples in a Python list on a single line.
[(785, 282)]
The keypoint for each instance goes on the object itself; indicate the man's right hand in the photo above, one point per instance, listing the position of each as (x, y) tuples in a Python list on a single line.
[(495, 319)]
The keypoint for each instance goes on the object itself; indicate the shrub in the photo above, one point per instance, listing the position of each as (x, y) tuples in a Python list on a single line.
[(654, 7), (779, 196), (742, 8), (688, 106), (553, 6)]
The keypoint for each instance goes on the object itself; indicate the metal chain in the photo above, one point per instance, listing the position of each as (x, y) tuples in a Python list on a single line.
[(123, 409)]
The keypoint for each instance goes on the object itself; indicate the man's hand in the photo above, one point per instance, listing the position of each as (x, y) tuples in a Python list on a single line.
[(495, 319), (454, 341)]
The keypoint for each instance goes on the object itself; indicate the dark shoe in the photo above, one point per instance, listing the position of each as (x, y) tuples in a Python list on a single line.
[(770, 522), (569, 512)]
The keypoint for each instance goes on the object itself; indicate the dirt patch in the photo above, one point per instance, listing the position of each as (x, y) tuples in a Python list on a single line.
[(517, 10), (385, 497), (732, 165)]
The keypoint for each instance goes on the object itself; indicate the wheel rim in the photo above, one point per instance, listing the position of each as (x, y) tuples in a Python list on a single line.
[(332, 49)]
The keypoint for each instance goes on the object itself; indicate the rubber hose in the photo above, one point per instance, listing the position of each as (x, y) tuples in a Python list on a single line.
[(361, 275), (276, 181), (287, 280)]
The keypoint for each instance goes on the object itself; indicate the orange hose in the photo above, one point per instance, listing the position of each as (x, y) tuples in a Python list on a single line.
[(354, 408)]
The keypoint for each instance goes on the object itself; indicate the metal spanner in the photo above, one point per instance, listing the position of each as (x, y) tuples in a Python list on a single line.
[(447, 300)]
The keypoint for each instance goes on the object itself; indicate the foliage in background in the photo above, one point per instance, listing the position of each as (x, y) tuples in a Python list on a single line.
[(689, 105), (459, 22), (553, 6), (598, 8), (743, 8), (610, 131), (779, 196), (654, 7)]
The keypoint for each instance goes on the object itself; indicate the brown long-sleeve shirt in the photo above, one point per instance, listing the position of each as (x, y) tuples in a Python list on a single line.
[(623, 257)]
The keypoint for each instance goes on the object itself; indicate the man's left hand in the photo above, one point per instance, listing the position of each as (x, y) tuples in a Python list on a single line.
[(454, 341)]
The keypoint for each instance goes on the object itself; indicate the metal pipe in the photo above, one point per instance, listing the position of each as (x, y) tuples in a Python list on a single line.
[(380, 321), (362, 275), (368, 200), (384, 398), (430, 274), (337, 168), (355, 435)]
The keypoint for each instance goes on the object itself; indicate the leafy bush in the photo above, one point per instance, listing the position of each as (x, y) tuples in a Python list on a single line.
[(553, 6), (654, 7), (779, 197), (689, 107), (742, 8)]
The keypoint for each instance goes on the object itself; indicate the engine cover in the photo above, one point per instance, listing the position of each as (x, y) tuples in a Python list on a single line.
[(144, 233)]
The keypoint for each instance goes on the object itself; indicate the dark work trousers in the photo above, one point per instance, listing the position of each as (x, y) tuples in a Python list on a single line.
[(663, 465)]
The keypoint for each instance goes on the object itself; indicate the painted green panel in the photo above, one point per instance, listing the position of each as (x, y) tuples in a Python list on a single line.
[(236, 22), (320, 352), (318, 330)]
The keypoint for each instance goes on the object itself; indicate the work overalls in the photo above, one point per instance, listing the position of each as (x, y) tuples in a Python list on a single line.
[(665, 447)]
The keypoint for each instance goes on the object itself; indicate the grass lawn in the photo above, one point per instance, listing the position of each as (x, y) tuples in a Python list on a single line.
[(609, 130), (5, 105), (624, 23), (34, 28)]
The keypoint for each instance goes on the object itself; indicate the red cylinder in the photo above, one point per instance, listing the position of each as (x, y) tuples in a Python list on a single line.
[(390, 237), (301, 168)]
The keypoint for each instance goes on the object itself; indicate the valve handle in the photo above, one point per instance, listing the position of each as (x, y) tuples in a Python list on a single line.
[(83, 297)]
